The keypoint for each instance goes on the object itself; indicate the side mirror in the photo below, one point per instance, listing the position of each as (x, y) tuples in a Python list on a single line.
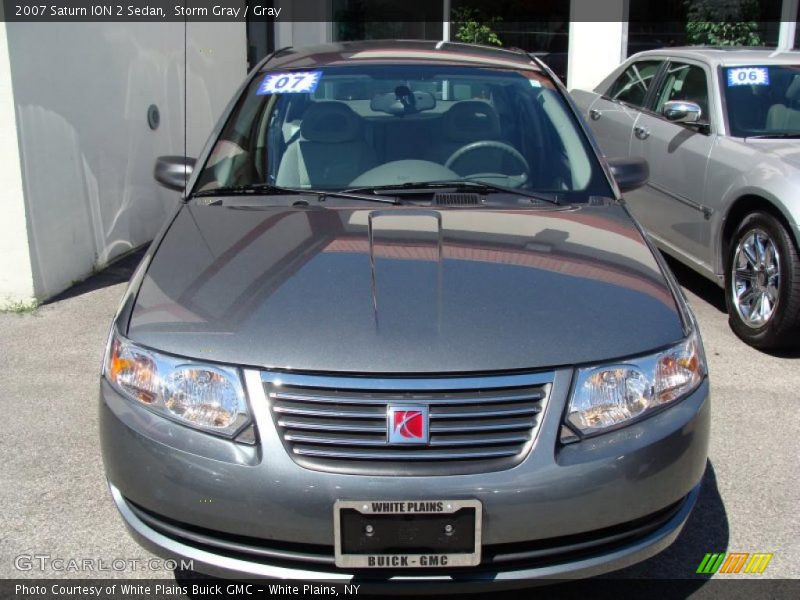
[(629, 173), (681, 111), (173, 171)]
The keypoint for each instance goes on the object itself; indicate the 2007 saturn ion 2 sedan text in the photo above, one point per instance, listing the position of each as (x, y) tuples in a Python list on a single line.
[(403, 326)]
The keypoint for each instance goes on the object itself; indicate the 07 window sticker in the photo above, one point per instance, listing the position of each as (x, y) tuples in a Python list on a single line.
[(293, 82)]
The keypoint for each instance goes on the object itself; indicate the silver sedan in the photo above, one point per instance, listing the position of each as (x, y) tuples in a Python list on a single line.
[(720, 130)]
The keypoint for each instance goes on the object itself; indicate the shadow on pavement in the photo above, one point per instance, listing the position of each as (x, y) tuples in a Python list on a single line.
[(715, 296), (119, 271), (698, 285)]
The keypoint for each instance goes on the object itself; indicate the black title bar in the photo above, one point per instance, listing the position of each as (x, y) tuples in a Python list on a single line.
[(366, 11)]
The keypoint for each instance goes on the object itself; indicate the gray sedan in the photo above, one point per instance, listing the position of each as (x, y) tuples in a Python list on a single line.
[(719, 128), (403, 329)]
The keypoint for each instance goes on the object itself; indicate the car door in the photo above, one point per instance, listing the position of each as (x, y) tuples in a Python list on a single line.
[(613, 114), (671, 205)]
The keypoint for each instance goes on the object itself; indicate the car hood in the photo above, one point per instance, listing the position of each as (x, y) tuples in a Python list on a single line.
[(786, 150), (404, 290)]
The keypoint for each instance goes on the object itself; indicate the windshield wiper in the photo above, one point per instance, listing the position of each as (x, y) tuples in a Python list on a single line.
[(780, 135), (458, 184), (269, 189)]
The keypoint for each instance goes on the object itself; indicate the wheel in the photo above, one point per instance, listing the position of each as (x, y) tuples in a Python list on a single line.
[(502, 146), (762, 284)]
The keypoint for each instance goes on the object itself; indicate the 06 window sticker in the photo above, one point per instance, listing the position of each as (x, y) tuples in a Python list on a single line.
[(748, 76), (293, 82)]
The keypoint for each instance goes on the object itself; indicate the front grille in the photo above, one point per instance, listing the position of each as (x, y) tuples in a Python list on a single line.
[(472, 429)]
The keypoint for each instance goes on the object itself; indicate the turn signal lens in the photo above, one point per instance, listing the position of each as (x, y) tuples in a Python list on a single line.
[(134, 371), (679, 370)]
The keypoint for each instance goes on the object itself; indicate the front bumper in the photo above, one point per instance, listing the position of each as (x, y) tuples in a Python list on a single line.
[(250, 511)]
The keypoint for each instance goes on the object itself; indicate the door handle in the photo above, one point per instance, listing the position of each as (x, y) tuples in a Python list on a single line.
[(641, 132), (595, 114)]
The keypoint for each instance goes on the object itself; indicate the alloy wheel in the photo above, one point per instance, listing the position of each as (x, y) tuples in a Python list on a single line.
[(756, 278)]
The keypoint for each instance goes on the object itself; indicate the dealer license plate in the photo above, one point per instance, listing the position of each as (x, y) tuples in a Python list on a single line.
[(407, 534)]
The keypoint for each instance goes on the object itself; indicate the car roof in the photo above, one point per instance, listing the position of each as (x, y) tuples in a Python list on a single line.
[(727, 55), (399, 51)]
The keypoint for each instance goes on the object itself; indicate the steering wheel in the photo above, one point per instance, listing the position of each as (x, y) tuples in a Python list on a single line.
[(519, 179)]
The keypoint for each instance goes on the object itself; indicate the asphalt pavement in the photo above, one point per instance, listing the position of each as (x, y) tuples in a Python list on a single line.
[(55, 501)]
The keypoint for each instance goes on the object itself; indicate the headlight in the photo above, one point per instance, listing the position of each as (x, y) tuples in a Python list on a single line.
[(207, 397), (609, 396)]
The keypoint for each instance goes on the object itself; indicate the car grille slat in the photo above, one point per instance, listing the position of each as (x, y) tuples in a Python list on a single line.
[(468, 426), (328, 424), (340, 425), (406, 454), (381, 401), (476, 414), (325, 412), (355, 426), (346, 440)]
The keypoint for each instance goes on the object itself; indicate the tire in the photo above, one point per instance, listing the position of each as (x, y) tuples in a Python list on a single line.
[(762, 284)]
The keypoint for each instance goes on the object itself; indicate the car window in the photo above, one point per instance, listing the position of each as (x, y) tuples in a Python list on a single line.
[(376, 125), (632, 85), (684, 82), (762, 100)]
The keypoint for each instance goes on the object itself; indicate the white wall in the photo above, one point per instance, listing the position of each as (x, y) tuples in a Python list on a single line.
[(81, 92), (595, 47), (16, 281)]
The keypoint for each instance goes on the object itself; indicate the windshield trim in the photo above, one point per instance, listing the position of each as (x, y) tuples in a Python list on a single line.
[(268, 189), (475, 185), (222, 123)]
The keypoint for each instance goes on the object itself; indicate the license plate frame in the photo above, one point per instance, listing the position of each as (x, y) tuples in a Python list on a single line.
[(410, 509)]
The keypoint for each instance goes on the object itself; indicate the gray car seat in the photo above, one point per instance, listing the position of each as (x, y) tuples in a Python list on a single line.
[(467, 122), (330, 151), (786, 117)]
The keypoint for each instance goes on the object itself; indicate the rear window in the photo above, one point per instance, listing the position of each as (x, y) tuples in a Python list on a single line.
[(762, 100), (632, 85)]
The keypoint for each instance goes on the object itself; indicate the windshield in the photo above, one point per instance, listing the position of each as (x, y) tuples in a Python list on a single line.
[(356, 127), (762, 100)]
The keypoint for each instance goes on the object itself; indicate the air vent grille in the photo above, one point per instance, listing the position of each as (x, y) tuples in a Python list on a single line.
[(456, 199)]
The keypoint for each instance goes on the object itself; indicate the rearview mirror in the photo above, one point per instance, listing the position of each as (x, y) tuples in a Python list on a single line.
[(681, 111), (630, 173), (173, 171), (402, 101)]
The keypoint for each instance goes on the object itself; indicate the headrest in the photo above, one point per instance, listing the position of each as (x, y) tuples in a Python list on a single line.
[(470, 121), (330, 123), (793, 91), (694, 85)]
